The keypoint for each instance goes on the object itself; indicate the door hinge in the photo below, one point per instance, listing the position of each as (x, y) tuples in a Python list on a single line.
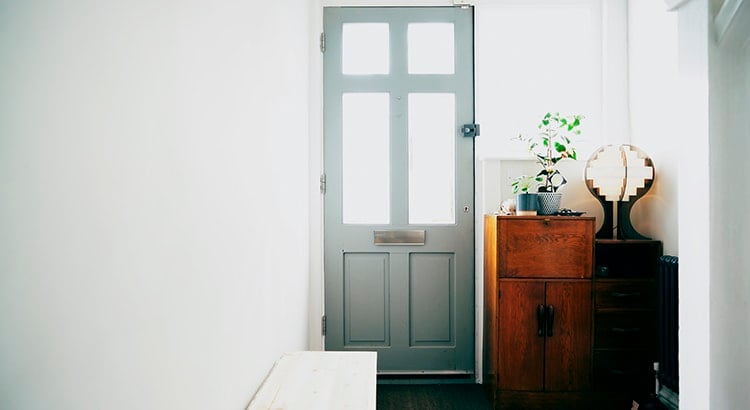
[(322, 42), (323, 325), (470, 130), (322, 183)]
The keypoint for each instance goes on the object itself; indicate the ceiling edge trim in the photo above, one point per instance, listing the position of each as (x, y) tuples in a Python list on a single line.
[(673, 5)]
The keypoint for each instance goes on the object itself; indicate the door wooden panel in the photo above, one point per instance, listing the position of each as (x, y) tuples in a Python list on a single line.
[(568, 350), (431, 319), (521, 363), (366, 305)]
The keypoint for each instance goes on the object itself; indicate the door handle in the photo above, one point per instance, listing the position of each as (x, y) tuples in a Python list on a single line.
[(550, 319), (540, 321)]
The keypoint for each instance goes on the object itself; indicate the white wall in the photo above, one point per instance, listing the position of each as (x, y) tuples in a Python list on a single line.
[(654, 112), (694, 207), (153, 201), (729, 75)]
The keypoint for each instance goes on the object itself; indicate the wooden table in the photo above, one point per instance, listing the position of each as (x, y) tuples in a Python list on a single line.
[(319, 380)]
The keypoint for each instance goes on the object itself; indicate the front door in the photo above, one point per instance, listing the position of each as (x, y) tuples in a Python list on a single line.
[(399, 177)]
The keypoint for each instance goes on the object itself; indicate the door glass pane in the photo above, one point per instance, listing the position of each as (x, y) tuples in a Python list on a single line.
[(366, 164), (432, 134), (431, 48), (365, 48)]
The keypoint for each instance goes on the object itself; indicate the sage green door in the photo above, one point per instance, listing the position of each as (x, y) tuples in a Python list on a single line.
[(399, 201)]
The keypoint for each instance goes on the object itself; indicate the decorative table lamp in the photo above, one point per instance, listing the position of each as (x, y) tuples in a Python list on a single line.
[(620, 175)]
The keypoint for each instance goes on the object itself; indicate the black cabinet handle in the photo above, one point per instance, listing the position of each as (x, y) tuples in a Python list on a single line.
[(550, 319), (626, 294), (625, 329), (540, 320)]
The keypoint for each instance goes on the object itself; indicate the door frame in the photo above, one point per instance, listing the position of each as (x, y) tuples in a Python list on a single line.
[(316, 294)]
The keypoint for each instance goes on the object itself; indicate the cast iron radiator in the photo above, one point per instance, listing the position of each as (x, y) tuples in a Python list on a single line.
[(668, 323)]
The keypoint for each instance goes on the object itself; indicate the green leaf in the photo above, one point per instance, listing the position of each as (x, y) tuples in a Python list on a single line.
[(560, 147)]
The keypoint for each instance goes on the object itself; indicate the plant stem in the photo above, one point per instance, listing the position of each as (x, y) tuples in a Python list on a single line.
[(548, 182)]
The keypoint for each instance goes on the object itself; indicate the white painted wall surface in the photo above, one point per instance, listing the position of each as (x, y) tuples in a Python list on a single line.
[(153, 201), (654, 114), (729, 73), (695, 210)]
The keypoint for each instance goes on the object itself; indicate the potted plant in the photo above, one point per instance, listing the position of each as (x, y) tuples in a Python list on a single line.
[(526, 202), (553, 143)]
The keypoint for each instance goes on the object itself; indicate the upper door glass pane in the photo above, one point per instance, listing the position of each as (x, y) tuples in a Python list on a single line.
[(365, 48), (432, 157), (366, 158), (431, 48)]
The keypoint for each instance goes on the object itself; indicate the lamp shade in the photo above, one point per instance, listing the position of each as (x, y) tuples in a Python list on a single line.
[(619, 174)]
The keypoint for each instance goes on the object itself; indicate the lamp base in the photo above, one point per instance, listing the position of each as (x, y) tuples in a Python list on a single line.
[(625, 229), (607, 229)]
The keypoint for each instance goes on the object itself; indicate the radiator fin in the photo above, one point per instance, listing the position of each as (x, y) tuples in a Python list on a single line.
[(668, 322)]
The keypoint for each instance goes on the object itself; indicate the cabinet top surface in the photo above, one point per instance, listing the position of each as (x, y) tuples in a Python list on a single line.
[(540, 217), (624, 241)]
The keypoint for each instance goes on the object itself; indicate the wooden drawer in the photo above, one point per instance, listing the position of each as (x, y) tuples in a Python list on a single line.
[(625, 294), (625, 329), (545, 247), (627, 259), (623, 370)]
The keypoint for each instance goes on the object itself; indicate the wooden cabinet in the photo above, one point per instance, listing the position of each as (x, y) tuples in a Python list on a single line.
[(544, 335), (538, 309), (625, 317)]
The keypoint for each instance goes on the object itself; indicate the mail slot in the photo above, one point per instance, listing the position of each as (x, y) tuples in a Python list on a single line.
[(400, 237)]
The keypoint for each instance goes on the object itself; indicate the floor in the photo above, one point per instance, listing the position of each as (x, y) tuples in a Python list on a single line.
[(471, 397), (432, 397)]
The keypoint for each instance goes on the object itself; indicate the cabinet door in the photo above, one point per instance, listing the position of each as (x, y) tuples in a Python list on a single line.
[(521, 358), (568, 349)]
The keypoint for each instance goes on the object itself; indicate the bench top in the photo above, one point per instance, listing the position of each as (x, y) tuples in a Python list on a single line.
[(319, 380)]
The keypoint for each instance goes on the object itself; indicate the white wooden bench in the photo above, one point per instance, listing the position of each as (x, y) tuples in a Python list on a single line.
[(319, 380)]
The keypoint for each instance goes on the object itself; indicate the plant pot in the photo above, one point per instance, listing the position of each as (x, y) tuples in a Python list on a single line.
[(549, 202), (526, 204)]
